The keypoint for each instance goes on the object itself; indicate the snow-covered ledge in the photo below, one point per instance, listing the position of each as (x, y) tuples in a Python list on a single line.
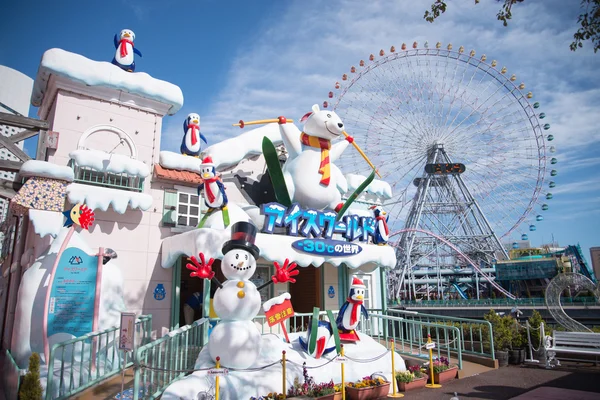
[(170, 160), (45, 169), (272, 248), (105, 162), (46, 222), (377, 187), (96, 197)]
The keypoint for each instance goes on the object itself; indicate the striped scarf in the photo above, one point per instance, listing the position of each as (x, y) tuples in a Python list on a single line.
[(324, 145)]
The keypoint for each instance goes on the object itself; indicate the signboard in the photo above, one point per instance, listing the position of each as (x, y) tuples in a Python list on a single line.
[(429, 346), (127, 331), (316, 224), (279, 312), (340, 359), (327, 247), (71, 305), (218, 371)]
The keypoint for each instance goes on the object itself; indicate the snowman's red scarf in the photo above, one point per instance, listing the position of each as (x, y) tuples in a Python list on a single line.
[(194, 128), (209, 193), (380, 218), (324, 145), (355, 313), (124, 46)]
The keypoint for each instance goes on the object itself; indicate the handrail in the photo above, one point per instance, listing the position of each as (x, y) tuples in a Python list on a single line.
[(11, 378), (90, 358), (575, 301), (164, 361), (411, 336), (472, 335)]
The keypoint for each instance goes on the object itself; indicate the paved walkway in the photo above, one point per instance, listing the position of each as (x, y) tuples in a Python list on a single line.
[(580, 382)]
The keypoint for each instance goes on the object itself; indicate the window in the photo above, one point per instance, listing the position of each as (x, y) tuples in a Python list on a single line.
[(188, 210), (182, 207), (107, 179)]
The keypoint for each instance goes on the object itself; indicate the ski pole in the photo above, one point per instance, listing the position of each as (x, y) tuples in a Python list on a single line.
[(362, 153), (241, 124)]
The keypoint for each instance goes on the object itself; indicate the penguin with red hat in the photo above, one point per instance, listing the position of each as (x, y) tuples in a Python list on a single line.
[(349, 314), (213, 188)]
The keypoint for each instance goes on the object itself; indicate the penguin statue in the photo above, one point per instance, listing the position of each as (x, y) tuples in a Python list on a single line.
[(349, 315), (382, 231), (317, 347), (124, 57), (190, 145), (213, 188)]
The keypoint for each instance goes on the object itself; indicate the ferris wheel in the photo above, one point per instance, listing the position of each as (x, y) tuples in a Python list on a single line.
[(403, 105)]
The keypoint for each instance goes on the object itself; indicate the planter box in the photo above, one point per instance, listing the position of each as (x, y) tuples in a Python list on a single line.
[(445, 376), (416, 384), (368, 393)]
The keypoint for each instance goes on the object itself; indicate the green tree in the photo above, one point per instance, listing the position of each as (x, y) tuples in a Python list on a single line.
[(31, 388), (589, 19)]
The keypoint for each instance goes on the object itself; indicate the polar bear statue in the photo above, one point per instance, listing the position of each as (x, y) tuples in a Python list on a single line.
[(313, 181)]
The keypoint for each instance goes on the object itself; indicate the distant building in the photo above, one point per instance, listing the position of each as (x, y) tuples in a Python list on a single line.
[(595, 256)]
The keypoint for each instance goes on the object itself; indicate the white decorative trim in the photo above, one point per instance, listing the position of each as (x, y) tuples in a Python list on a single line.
[(187, 189), (110, 128)]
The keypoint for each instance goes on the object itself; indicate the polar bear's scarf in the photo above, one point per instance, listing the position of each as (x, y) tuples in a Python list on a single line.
[(324, 145)]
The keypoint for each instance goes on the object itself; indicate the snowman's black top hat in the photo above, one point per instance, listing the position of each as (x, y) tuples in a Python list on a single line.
[(243, 235)]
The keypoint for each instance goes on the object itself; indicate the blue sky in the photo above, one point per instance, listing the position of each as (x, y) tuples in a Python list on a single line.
[(260, 59)]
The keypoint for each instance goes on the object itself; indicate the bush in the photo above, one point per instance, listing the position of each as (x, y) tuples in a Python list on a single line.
[(502, 329), (534, 331), (31, 389)]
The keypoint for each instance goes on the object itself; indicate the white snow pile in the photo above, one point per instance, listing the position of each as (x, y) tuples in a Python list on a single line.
[(244, 384), (27, 331), (377, 187), (276, 300), (96, 197), (170, 160), (46, 222), (231, 151), (104, 74), (272, 248), (113, 163), (45, 169)]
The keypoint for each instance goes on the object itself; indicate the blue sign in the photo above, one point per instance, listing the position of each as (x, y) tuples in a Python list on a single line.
[(71, 307), (331, 292), (314, 223), (327, 247), (160, 292)]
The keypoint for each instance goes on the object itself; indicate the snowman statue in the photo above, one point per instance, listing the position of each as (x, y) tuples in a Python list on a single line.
[(236, 339)]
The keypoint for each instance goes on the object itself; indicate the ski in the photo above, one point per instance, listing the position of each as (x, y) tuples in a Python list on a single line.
[(203, 220), (275, 172), (225, 212), (312, 343), (356, 193), (336, 333)]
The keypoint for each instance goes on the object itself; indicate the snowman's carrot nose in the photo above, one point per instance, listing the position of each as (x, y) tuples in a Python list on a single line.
[(240, 263), (362, 153), (241, 124)]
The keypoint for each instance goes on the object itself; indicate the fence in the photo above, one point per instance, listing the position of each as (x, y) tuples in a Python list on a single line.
[(411, 336), (477, 337), (11, 376), (166, 360), (533, 302), (82, 362)]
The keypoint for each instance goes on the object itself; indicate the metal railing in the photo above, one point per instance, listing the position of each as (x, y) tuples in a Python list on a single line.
[(166, 360), (79, 363), (477, 336), (534, 302), (411, 336), (107, 179), (11, 376)]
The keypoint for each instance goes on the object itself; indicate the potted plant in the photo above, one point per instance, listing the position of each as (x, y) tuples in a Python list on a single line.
[(443, 371), (413, 378), (270, 396), (516, 355), (535, 321), (502, 333), (369, 387), (31, 389), (310, 389)]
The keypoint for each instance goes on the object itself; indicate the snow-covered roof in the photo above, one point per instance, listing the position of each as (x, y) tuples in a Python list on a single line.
[(276, 300), (105, 162), (231, 151), (96, 197), (45, 169), (272, 248), (377, 187), (170, 160), (100, 73), (46, 222)]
